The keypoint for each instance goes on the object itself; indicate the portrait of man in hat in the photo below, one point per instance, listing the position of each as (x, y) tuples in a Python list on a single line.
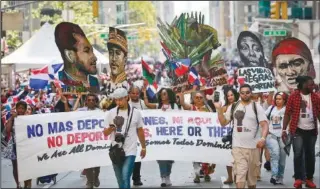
[(78, 57), (291, 58), (118, 53)]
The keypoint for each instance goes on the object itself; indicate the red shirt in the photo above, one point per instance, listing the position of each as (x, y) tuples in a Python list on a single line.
[(293, 110)]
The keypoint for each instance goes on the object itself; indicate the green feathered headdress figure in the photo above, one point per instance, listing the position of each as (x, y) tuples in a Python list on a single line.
[(188, 42)]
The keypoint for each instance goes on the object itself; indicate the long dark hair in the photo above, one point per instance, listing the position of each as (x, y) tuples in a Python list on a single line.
[(235, 94), (171, 96)]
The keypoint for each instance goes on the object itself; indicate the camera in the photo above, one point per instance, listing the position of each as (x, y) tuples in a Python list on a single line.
[(216, 96), (227, 138), (119, 138)]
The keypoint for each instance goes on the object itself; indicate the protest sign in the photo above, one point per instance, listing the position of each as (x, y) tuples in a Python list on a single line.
[(260, 79), (61, 142)]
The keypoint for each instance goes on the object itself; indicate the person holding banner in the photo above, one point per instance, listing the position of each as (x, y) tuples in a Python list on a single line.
[(92, 174), (11, 152), (274, 143), (246, 116), (167, 102), (135, 101), (198, 103), (231, 96), (125, 127)]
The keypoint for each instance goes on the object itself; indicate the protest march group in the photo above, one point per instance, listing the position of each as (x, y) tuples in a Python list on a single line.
[(197, 112)]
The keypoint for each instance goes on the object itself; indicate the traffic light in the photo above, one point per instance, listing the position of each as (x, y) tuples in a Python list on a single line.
[(284, 10), (275, 10), (95, 8)]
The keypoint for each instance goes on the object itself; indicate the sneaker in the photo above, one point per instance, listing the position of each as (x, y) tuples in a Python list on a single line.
[(97, 182), (280, 181), (207, 178), (273, 181), (310, 184), (196, 179), (168, 181), (137, 182), (163, 182), (89, 185), (297, 183)]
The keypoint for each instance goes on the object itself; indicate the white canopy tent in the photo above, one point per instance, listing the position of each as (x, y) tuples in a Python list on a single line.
[(41, 50)]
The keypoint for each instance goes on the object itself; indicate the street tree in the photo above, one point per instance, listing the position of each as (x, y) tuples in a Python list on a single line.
[(148, 38)]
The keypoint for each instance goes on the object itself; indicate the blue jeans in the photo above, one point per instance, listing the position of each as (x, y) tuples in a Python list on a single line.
[(165, 167), (124, 172), (278, 156)]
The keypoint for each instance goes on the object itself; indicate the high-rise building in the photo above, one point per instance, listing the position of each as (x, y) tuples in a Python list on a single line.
[(219, 18), (165, 10), (113, 12)]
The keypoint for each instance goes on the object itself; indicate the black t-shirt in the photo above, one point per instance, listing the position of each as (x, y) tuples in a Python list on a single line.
[(59, 107)]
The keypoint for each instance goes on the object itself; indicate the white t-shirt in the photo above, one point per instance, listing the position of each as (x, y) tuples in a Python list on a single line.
[(139, 105), (306, 114), (168, 107), (130, 143), (276, 119), (245, 125)]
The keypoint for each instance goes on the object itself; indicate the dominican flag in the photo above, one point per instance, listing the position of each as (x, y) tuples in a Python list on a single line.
[(30, 101), (181, 66), (15, 98), (152, 90), (195, 78), (147, 72), (40, 78)]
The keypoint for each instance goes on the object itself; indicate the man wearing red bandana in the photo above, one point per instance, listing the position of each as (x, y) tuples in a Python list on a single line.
[(291, 58)]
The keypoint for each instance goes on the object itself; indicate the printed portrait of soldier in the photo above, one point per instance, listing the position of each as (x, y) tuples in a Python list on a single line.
[(250, 50), (291, 58), (78, 57), (118, 53)]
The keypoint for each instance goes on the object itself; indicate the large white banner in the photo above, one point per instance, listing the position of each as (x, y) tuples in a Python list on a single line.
[(61, 142)]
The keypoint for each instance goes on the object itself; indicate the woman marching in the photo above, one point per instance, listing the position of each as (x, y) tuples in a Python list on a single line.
[(274, 143), (167, 102), (198, 103)]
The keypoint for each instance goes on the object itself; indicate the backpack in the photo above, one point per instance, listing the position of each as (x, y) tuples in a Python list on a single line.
[(269, 115)]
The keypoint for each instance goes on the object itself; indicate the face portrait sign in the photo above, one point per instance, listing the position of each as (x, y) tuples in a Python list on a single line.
[(250, 50), (291, 58), (85, 60), (80, 63), (117, 60)]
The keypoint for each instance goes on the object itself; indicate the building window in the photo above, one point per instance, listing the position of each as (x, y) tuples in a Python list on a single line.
[(119, 8), (249, 8), (249, 19)]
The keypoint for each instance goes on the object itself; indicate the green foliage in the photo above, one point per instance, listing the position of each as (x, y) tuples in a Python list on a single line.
[(13, 39), (82, 15), (143, 12)]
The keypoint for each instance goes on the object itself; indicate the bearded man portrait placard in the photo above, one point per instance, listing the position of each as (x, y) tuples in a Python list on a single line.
[(78, 57), (291, 58)]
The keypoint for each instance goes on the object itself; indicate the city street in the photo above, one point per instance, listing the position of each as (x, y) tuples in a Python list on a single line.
[(182, 177)]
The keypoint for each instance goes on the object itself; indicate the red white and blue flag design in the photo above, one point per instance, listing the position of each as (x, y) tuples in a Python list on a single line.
[(195, 78), (40, 78), (181, 66)]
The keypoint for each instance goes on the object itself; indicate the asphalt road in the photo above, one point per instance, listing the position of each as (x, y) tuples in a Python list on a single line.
[(182, 177)]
